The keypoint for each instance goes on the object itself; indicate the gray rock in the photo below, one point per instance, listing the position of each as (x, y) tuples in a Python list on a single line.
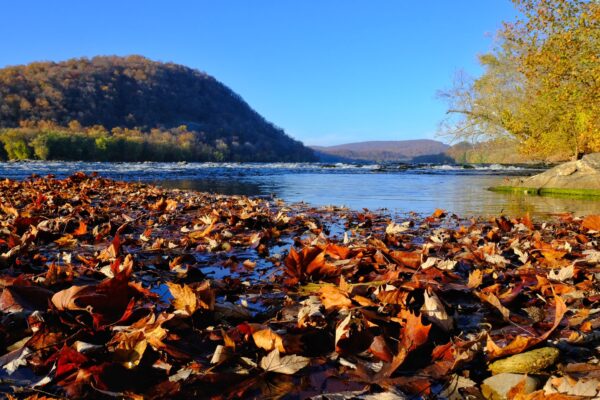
[(582, 174), (497, 387)]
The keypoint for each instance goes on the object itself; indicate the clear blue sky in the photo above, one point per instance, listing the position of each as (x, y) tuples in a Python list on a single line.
[(327, 71)]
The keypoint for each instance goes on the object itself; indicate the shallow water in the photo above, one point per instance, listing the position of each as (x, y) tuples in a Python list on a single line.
[(398, 188)]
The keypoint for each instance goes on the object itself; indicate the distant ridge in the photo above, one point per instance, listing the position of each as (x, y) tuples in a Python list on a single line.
[(420, 150)]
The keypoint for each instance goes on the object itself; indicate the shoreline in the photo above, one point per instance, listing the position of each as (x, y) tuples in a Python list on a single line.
[(132, 289), (556, 192)]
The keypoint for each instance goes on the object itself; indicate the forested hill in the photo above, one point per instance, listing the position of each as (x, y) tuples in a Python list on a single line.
[(421, 150), (133, 97)]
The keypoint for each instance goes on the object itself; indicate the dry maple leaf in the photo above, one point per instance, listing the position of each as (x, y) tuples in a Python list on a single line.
[(129, 348), (414, 333), (288, 365), (310, 263), (184, 299), (475, 279), (66, 241), (491, 299), (522, 343)]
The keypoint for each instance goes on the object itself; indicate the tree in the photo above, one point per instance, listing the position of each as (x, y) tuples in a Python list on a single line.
[(541, 83)]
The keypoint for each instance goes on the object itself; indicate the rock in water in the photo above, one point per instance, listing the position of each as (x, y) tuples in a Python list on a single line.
[(581, 175), (526, 363)]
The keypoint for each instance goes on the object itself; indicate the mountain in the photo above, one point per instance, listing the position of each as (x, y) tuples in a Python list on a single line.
[(422, 150), (134, 92)]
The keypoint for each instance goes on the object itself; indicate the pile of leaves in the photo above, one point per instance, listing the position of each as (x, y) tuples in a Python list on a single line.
[(114, 289)]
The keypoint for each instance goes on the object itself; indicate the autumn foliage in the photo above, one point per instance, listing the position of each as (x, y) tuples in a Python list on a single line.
[(113, 289)]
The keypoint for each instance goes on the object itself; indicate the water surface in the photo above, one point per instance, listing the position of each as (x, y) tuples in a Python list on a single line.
[(397, 188)]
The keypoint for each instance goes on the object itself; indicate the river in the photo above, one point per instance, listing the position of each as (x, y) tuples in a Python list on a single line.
[(397, 188)]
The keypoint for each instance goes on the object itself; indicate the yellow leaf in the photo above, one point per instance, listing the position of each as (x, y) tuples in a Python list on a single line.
[(184, 299), (268, 340)]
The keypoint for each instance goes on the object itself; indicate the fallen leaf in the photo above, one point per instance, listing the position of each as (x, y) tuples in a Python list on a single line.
[(184, 299), (591, 222), (288, 365), (435, 311), (475, 279), (268, 340), (333, 298)]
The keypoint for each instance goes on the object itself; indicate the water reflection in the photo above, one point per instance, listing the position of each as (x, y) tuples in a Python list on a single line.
[(398, 193), (221, 186)]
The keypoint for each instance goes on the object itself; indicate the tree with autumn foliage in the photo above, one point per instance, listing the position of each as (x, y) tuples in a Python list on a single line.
[(541, 84)]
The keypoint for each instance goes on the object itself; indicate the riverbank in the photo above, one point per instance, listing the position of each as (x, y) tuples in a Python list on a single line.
[(580, 178), (125, 289)]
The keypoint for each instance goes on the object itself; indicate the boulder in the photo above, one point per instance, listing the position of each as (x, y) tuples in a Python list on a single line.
[(573, 177)]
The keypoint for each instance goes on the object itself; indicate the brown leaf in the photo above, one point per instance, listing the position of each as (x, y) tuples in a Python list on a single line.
[(521, 343), (309, 264), (17, 298), (490, 298), (67, 299)]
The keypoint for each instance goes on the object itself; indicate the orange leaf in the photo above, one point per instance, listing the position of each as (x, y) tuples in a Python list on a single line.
[(333, 298), (414, 333), (475, 279), (407, 258), (339, 252), (591, 222), (309, 263), (438, 213), (494, 301), (81, 230)]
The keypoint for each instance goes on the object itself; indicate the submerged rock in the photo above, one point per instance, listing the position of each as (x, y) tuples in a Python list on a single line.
[(573, 177)]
